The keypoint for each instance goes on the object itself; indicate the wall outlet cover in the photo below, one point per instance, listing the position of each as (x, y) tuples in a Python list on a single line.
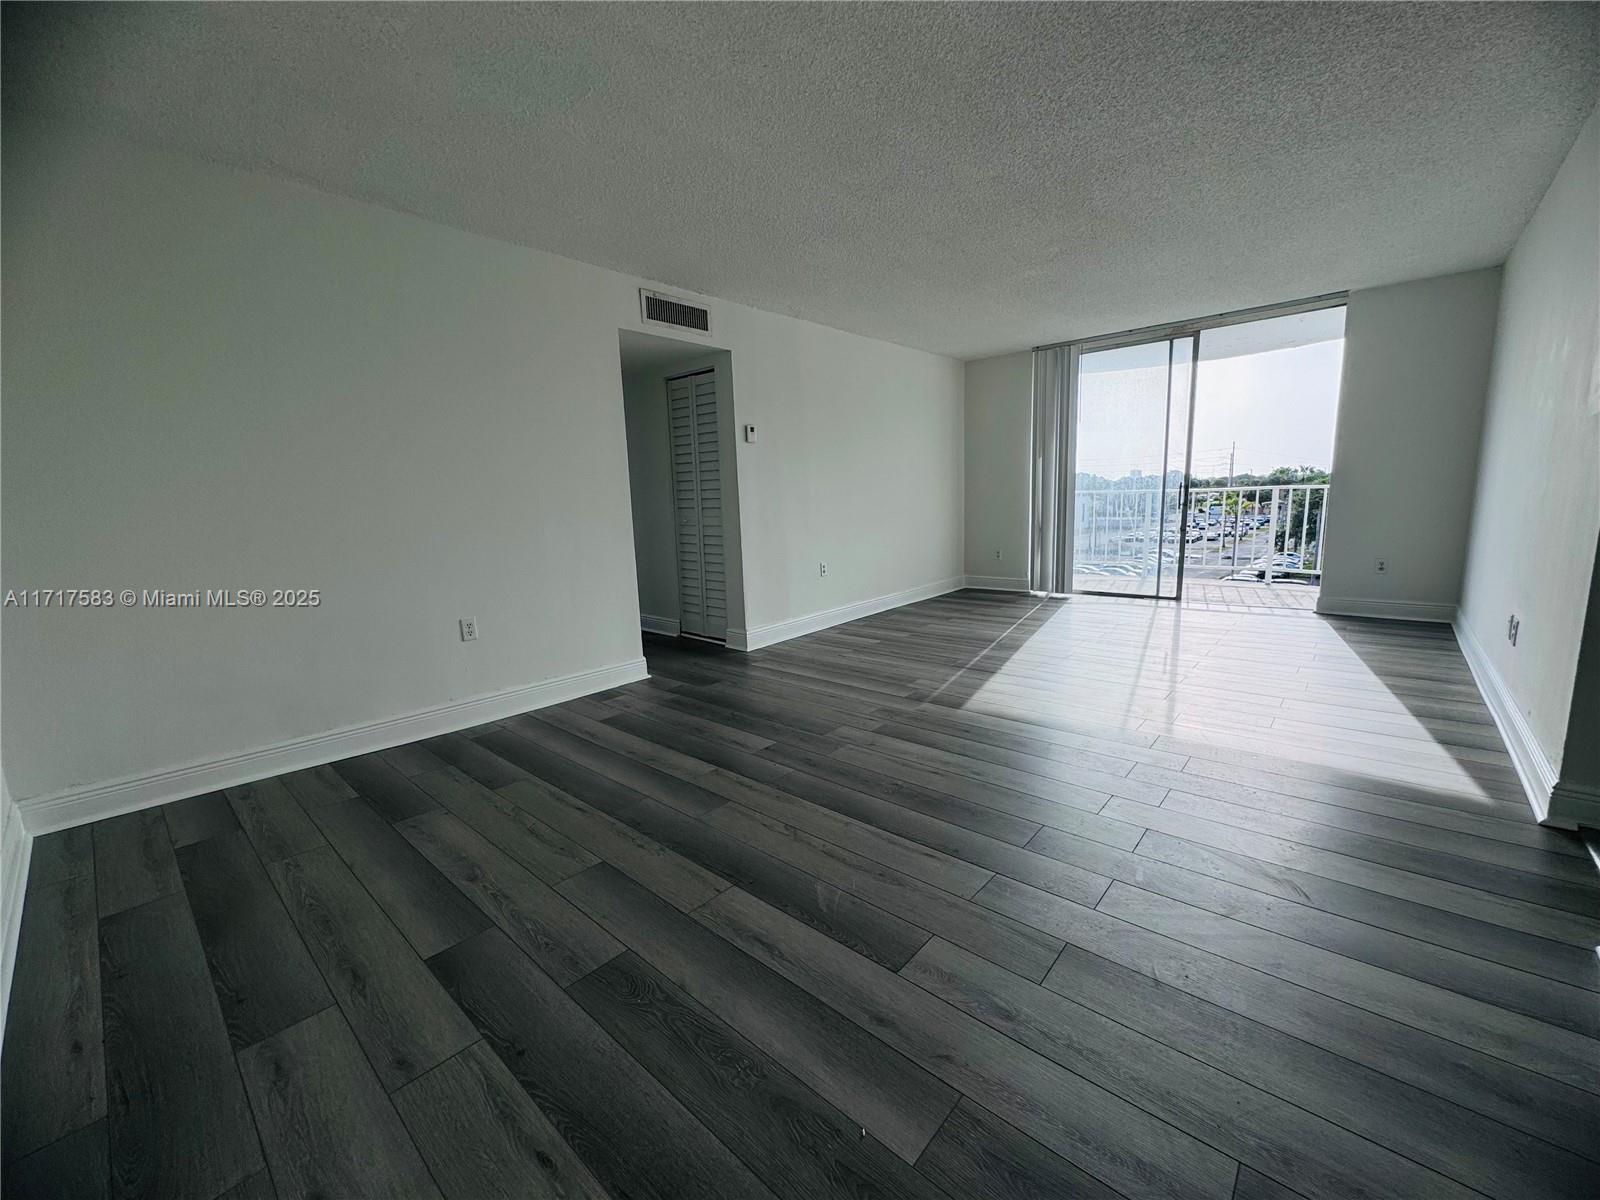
[(469, 629)]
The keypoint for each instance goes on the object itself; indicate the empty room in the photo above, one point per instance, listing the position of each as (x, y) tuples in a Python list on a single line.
[(797, 600)]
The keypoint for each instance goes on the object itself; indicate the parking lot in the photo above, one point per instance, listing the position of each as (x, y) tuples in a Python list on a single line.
[(1214, 552)]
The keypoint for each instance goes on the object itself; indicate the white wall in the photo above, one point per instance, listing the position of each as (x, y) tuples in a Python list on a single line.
[(999, 433), (650, 484), (1576, 798), (858, 464), (15, 844), (14, 855), (218, 379), (1537, 509), (1416, 367)]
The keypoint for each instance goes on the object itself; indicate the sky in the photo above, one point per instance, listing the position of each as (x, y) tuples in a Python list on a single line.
[(1276, 405)]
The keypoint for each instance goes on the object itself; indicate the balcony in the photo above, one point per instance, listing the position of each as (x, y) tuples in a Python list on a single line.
[(1255, 546)]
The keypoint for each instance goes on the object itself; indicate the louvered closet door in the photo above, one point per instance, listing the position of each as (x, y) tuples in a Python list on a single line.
[(697, 497)]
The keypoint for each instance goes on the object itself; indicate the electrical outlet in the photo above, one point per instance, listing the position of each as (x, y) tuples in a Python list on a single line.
[(469, 629), (822, 568), (1513, 627), (1380, 566), (997, 554)]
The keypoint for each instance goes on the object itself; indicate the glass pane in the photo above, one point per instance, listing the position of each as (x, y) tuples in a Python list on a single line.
[(1121, 463), (1172, 525), (1263, 451)]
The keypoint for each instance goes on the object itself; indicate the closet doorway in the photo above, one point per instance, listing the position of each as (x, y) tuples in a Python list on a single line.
[(683, 478)]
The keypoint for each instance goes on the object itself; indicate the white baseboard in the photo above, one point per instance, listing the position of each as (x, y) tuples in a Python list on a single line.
[(781, 631), (1388, 610), (662, 625), (77, 806), (1532, 764), (1572, 805), (14, 857), (996, 583)]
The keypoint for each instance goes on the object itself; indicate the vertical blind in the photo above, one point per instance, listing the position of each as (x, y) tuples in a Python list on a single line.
[(1049, 568)]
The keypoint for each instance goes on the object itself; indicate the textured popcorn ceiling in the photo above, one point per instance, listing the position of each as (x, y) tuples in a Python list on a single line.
[(964, 178)]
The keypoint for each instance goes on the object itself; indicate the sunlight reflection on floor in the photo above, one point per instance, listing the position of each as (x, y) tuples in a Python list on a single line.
[(1350, 703)]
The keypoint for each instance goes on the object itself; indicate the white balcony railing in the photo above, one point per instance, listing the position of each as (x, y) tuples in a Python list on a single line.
[(1261, 533)]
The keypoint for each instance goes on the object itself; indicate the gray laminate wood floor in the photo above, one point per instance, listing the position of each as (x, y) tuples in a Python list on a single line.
[(984, 896)]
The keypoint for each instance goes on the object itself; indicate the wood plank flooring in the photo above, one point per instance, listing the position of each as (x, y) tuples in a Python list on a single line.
[(980, 897)]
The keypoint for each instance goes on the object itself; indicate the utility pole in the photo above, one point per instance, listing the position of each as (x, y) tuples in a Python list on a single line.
[(1233, 450)]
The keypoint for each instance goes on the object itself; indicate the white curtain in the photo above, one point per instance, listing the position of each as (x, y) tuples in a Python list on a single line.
[(1049, 550)]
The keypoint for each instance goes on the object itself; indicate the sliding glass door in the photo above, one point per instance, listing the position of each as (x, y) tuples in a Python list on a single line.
[(1131, 449), (1115, 505)]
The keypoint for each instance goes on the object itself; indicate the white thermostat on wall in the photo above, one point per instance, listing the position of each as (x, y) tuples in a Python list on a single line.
[(749, 433)]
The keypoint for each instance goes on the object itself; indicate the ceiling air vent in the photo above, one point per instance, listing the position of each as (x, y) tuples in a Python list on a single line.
[(657, 309)]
